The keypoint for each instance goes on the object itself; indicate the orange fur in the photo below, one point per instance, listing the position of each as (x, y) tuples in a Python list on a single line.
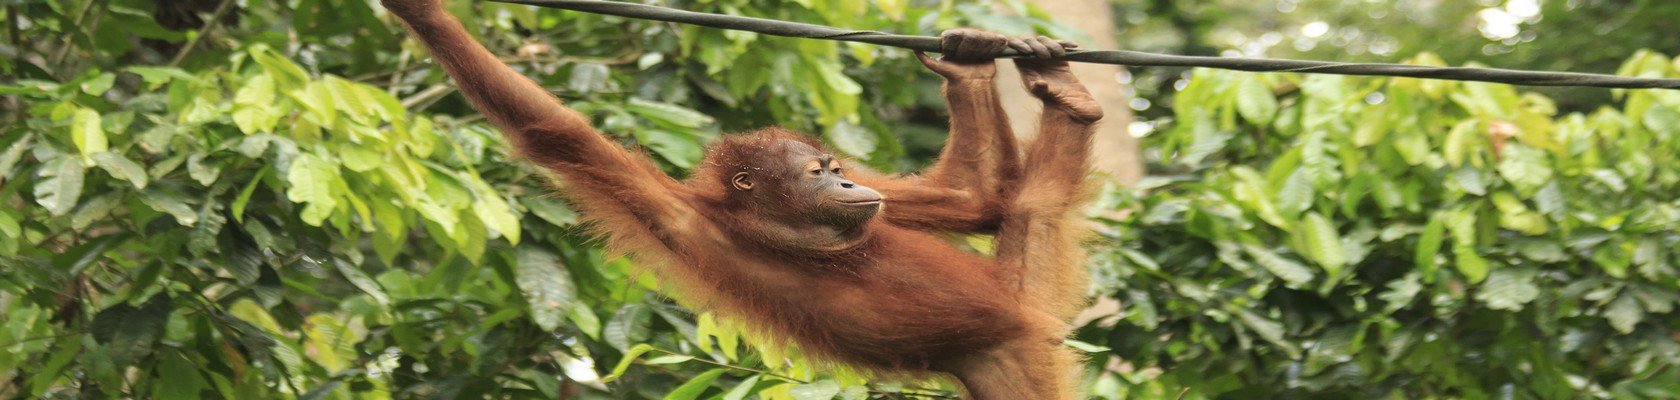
[(901, 300)]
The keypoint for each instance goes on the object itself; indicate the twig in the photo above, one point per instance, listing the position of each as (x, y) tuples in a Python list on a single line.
[(209, 28), (396, 77), (70, 40), (431, 93)]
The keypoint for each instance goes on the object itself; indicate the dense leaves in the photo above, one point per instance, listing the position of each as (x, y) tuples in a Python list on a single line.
[(290, 204), (1469, 243)]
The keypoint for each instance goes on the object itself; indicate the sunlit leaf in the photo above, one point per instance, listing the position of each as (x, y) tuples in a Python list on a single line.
[(121, 168), (59, 184), (547, 287), (86, 132)]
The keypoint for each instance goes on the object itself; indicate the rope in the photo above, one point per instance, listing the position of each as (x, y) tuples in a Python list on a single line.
[(1118, 57)]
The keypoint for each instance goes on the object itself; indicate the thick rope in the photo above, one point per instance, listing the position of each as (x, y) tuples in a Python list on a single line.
[(1119, 57)]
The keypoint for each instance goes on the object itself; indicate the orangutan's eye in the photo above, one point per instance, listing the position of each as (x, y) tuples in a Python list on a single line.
[(816, 172), (836, 170)]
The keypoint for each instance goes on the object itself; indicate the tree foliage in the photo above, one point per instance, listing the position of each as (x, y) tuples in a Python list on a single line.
[(283, 200), (1399, 239)]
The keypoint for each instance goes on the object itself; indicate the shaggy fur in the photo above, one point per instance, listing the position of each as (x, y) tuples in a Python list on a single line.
[(901, 300)]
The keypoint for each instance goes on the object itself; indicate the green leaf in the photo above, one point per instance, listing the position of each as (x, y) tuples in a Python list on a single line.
[(155, 77), (185, 384), (86, 132), (1290, 271), (1429, 245), (1526, 168), (744, 389), (671, 114), (1509, 289), (128, 332), (1624, 314), (1085, 347), (630, 356), (244, 198), (852, 139), (585, 320), (170, 202), (547, 287), (1296, 195), (694, 387), (629, 325), (820, 390), (203, 172), (551, 211), (1270, 330), (674, 148), (286, 74), (312, 180), (1255, 102), (362, 281), (99, 84), (121, 168), (855, 392), (1322, 243), (1472, 265), (59, 184), (494, 211)]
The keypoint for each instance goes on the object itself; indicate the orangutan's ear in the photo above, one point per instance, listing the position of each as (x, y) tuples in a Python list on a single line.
[(740, 182)]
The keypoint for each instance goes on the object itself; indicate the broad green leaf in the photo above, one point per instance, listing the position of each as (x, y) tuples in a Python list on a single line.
[(86, 132), (630, 356), (1429, 245), (58, 185), (1526, 168), (820, 390), (547, 287), (852, 139), (1271, 331), (312, 180), (494, 211), (1288, 270), (1472, 265), (286, 74), (669, 359), (333, 340), (671, 114), (743, 389), (99, 84), (1514, 215), (362, 281), (178, 386), (694, 387), (1085, 347), (1624, 313), (629, 325), (121, 168), (244, 198), (678, 150), (1321, 242), (1463, 140), (128, 332), (155, 77), (1296, 195), (1509, 289), (1255, 102), (855, 392), (170, 202)]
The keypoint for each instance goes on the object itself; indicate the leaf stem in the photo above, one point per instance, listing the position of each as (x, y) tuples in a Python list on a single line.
[(209, 28)]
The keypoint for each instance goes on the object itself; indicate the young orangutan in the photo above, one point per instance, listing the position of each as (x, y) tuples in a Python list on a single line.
[(775, 231)]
